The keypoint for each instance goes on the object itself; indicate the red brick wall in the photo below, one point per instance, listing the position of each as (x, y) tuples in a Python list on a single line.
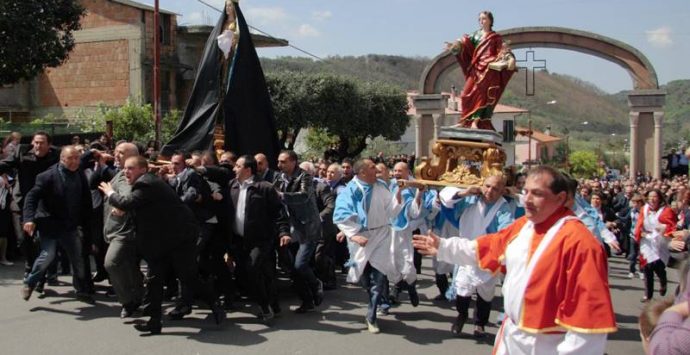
[(101, 13), (98, 72), (95, 73)]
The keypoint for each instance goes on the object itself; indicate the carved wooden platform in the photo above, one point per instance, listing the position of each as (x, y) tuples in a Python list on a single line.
[(461, 163)]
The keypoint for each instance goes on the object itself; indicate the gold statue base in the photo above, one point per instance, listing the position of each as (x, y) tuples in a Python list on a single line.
[(461, 163)]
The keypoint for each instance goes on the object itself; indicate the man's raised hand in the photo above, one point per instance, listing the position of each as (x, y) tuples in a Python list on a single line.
[(426, 244)]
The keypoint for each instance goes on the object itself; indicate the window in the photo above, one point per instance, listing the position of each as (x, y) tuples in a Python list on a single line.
[(165, 25)]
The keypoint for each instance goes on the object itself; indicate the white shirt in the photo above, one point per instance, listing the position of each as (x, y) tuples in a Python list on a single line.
[(241, 203)]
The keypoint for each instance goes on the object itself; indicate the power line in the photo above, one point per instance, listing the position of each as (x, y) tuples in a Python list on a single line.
[(268, 35)]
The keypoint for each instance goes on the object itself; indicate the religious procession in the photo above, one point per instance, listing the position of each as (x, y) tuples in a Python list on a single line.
[(226, 221)]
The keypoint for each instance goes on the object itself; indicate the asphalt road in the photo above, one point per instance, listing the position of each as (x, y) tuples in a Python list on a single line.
[(58, 324)]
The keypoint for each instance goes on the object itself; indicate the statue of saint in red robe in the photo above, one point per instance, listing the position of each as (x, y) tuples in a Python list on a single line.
[(487, 64)]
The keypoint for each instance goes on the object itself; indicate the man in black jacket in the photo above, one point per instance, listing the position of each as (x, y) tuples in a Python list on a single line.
[(166, 233), (28, 161), (324, 257), (255, 212), (296, 189), (57, 205)]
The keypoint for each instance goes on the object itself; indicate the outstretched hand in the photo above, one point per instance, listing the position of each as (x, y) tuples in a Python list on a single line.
[(426, 244), (105, 187)]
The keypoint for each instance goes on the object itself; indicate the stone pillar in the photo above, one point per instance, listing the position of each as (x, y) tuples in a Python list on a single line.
[(429, 113), (634, 157), (418, 136), (438, 118), (658, 143), (646, 124)]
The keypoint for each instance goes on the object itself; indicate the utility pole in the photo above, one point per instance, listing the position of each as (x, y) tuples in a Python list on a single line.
[(156, 75)]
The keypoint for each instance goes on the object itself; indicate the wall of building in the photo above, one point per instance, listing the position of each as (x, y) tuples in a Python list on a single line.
[(96, 72), (111, 62)]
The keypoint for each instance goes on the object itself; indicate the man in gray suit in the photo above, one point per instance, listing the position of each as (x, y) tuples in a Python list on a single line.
[(121, 259)]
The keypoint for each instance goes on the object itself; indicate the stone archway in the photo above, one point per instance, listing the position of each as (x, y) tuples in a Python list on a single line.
[(646, 101)]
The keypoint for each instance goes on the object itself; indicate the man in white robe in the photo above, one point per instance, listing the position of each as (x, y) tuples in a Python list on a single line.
[(363, 212), (410, 219), (479, 211)]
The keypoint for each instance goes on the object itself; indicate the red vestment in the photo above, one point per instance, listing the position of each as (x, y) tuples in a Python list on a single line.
[(568, 288)]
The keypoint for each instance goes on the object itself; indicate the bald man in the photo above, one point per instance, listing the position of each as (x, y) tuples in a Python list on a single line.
[(478, 210), (121, 259), (55, 207)]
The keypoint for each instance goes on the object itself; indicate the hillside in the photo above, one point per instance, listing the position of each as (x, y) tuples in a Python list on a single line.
[(576, 101)]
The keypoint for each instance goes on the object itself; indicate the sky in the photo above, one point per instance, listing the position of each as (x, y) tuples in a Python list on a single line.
[(659, 29)]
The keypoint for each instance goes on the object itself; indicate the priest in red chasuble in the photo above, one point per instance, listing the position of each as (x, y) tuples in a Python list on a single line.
[(487, 64), (556, 290)]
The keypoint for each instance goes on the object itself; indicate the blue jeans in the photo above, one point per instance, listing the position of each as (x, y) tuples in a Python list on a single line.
[(374, 281), (69, 241), (307, 283)]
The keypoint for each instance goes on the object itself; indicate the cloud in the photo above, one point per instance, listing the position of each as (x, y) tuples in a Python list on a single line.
[(321, 15), (266, 15), (660, 37), (193, 18), (306, 30)]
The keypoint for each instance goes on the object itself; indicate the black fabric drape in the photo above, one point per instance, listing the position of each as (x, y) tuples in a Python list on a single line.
[(246, 108)]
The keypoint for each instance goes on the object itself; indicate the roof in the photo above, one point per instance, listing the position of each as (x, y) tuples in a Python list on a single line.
[(258, 39), (540, 136), (139, 5)]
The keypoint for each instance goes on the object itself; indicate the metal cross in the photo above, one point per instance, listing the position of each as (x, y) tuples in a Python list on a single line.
[(530, 64)]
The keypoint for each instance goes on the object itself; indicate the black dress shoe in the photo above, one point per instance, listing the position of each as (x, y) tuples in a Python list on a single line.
[(179, 312), (129, 310), (479, 332), (304, 308), (456, 328), (318, 293), (440, 297), (151, 328), (99, 277), (414, 296), (85, 297), (218, 313), (275, 307), (40, 287)]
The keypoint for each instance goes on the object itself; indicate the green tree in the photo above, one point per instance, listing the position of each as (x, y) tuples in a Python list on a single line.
[(134, 122), (381, 111), (35, 34), (583, 163), (340, 110)]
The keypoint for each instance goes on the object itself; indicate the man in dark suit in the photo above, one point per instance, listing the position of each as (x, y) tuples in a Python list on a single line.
[(28, 161), (166, 233), (296, 189), (57, 205), (195, 192), (257, 216), (263, 171)]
